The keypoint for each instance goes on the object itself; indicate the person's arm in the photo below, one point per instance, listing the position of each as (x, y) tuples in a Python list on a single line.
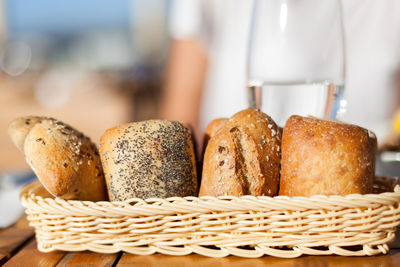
[(184, 82)]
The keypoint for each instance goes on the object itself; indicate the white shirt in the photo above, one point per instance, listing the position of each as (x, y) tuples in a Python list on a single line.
[(372, 44)]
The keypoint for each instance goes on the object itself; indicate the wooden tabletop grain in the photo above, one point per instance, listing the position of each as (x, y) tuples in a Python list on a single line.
[(18, 248)]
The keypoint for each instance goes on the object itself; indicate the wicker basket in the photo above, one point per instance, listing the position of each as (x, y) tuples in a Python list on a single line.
[(353, 225)]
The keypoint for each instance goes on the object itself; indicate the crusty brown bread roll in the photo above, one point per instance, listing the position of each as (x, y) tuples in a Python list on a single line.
[(148, 159), (326, 157), (243, 157), (38, 189), (212, 129), (65, 161)]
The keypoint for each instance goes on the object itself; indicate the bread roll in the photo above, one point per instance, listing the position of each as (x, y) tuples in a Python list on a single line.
[(148, 159), (66, 162), (19, 128), (326, 157), (195, 147), (212, 129), (243, 157)]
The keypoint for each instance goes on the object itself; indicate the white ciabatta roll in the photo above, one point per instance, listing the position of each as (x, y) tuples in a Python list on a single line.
[(149, 159), (65, 161), (326, 157)]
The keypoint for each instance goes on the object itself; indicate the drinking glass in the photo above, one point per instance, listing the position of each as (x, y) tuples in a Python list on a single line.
[(296, 59)]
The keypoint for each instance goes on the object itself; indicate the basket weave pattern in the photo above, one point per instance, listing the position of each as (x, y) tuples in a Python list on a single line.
[(247, 226)]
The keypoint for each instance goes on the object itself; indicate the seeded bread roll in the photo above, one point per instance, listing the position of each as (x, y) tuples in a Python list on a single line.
[(243, 157), (149, 159), (326, 157), (19, 128), (66, 162), (212, 129), (195, 148)]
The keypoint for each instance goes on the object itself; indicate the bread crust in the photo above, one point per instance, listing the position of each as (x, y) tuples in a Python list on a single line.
[(212, 129), (19, 128), (243, 157), (326, 157), (148, 159), (65, 161)]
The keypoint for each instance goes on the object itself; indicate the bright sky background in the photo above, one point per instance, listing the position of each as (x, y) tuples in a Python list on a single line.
[(66, 17)]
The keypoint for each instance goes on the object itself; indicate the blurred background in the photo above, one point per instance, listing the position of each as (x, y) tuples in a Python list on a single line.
[(93, 64)]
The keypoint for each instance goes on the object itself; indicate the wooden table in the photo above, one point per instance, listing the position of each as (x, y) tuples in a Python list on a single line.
[(18, 248)]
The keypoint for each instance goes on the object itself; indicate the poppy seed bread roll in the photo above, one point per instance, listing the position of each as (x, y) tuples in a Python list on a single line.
[(326, 157), (149, 159), (65, 161)]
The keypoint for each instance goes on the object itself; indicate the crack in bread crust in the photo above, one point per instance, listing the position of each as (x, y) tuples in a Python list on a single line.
[(240, 166)]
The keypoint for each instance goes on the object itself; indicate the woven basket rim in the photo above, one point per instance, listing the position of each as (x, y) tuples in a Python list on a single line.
[(352, 200)]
